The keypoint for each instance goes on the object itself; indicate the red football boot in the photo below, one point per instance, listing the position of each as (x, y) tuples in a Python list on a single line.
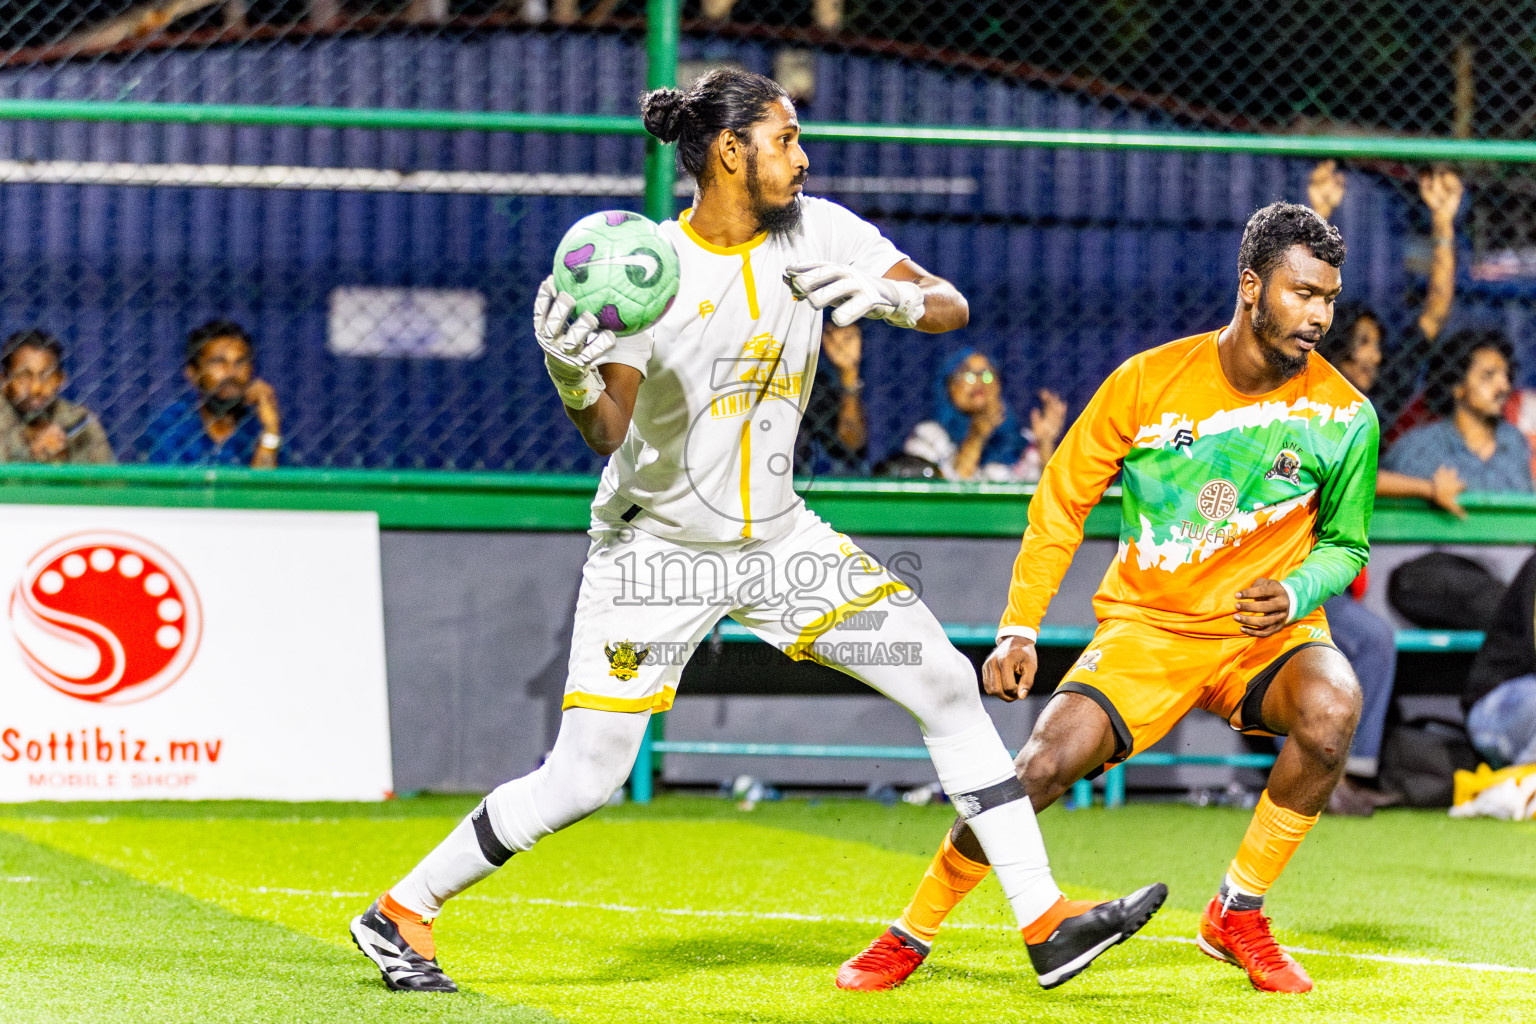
[(887, 962), (1243, 938)]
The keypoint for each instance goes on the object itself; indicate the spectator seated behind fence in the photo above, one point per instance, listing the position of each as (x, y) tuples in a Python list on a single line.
[(233, 419), (832, 433), (974, 435), (1469, 384), (36, 424), (1500, 697)]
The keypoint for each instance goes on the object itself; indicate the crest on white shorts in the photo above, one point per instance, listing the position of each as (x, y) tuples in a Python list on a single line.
[(624, 658)]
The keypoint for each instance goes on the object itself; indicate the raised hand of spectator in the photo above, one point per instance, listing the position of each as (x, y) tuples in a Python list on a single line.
[(1047, 422), (844, 349), (1444, 488), (987, 419), (49, 443), (1325, 189), (260, 395), (263, 400), (1441, 191)]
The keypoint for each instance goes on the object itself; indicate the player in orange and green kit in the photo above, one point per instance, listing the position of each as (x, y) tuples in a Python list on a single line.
[(1248, 472)]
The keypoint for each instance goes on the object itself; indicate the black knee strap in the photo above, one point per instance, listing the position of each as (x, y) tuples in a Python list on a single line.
[(491, 848), (968, 805)]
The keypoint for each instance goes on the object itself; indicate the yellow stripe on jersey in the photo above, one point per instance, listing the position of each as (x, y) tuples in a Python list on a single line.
[(751, 283), (746, 476), (718, 250)]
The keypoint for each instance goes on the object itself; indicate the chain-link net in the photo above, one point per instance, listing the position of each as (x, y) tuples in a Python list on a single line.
[(385, 277)]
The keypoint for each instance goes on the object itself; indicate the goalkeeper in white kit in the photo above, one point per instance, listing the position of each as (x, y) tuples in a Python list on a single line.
[(696, 517)]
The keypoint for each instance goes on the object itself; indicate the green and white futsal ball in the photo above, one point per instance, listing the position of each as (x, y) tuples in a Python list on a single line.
[(619, 267)]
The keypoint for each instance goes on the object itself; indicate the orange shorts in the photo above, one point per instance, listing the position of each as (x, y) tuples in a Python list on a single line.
[(1146, 678)]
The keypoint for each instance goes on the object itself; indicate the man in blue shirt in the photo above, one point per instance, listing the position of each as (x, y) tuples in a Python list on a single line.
[(1470, 381), (233, 420)]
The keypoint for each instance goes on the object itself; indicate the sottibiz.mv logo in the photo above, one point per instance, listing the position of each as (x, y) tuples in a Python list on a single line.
[(106, 617)]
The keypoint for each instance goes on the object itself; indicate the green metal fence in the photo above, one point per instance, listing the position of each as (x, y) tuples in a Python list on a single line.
[(1386, 90), (933, 104)]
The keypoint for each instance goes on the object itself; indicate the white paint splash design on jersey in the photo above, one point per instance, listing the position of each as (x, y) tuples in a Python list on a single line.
[(1157, 435), (1171, 554), (1244, 417)]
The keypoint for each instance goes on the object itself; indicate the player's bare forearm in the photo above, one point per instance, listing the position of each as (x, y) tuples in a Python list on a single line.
[(605, 423), (944, 308)]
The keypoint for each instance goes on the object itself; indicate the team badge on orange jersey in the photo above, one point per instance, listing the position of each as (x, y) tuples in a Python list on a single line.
[(624, 660), (1287, 467), (1216, 500)]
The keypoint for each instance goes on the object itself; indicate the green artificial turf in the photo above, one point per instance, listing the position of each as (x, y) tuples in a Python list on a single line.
[(692, 911)]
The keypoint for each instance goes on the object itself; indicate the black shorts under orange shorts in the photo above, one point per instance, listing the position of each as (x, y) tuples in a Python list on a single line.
[(1146, 678)]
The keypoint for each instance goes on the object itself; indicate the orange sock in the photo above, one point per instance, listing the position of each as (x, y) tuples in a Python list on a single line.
[(1272, 836), (414, 929), (948, 880), (1040, 929)]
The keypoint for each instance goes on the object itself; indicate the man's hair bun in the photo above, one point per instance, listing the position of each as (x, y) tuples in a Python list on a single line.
[(663, 111)]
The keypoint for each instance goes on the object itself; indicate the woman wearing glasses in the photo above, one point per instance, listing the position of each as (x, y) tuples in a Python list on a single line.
[(974, 435)]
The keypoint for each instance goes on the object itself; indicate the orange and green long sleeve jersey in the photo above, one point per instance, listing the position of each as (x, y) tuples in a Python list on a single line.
[(1218, 489)]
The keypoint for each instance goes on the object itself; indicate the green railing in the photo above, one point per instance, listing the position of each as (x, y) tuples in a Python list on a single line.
[(1318, 146), (454, 500)]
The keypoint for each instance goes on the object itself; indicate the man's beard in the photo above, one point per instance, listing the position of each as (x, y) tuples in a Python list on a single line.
[(780, 222), (31, 416), (1285, 365), (220, 406)]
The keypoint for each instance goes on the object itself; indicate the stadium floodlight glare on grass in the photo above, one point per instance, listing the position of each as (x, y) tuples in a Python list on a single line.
[(1359, 147)]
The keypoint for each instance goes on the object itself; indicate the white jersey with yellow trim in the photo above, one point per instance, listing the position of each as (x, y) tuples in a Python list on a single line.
[(710, 452)]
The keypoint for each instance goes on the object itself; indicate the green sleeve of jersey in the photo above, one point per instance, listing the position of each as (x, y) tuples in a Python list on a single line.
[(1343, 520)]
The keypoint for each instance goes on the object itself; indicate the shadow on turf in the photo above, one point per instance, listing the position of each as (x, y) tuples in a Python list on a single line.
[(97, 944), (1377, 935), (662, 960)]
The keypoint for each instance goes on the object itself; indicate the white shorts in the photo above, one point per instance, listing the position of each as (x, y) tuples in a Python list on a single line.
[(646, 603)]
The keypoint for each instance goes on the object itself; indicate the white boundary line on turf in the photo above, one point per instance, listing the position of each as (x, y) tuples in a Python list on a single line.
[(625, 908)]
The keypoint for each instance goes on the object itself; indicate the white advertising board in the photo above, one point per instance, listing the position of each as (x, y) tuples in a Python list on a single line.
[(191, 654), (408, 323)]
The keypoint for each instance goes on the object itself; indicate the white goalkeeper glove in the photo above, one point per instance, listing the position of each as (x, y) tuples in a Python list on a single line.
[(570, 349), (855, 294)]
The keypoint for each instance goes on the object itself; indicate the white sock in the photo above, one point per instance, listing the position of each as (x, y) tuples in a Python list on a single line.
[(970, 765), (591, 757), (456, 864)]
